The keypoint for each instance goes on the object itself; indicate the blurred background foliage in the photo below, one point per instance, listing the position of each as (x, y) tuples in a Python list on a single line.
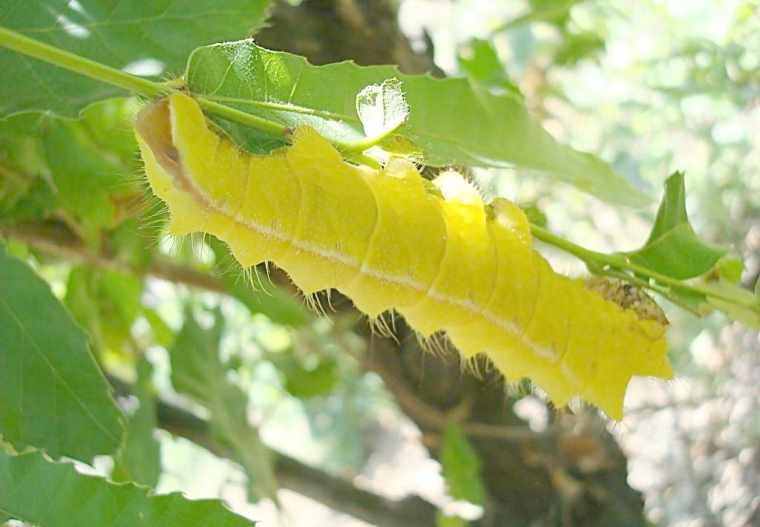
[(215, 366)]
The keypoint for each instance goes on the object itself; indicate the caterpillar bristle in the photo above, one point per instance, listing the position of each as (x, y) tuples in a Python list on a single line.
[(255, 276), (153, 219), (392, 315), (436, 344), (379, 326), (478, 366), (173, 244), (268, 271), (314, 303)]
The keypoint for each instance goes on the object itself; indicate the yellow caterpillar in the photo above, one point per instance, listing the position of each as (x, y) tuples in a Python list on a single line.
[(388, 239)]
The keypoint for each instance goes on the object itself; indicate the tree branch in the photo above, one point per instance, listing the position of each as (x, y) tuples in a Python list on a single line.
[(333, 492), (57, 240)]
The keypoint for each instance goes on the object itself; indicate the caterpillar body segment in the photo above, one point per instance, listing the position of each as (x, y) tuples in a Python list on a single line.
[(404, 205), (389, 241)]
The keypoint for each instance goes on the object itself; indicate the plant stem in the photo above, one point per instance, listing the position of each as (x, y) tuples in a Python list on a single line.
[(247, 119), (89, 68), (597, 262), (22, 44), (587, 255), (63, 59)]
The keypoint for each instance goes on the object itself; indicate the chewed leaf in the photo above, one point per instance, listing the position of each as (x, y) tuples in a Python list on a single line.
[(673, 249), (452, 121), (382, 109), (391, 240)]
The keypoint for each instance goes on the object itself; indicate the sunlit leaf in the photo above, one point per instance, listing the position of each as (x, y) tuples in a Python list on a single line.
[(673, 248), (578, 46), (451, 120)]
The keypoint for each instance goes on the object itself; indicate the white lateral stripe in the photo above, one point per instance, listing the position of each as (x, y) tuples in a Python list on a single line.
[(506, 325)]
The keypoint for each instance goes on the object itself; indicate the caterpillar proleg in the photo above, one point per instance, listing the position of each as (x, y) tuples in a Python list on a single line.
[(390, 240)]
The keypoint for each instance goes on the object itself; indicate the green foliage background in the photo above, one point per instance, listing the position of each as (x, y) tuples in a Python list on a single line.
[(91, 292)]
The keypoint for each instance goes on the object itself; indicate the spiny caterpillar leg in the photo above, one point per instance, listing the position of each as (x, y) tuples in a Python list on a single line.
[(390, 240)]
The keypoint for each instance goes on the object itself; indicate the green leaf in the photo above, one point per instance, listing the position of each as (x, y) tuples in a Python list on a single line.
[(303, 382), (25, 192), (461, 466), (555, 12), (442, 520), (535, 215), (736, 302), (730, 268), (479, 60), (35, 204), (139, 460), (152, 39), (673, 249), (53, 396), (578, 46), (452, 121), (95, 167), (105, 302), (88, 181), (108, 125), (198, 373), (162, 333), (37, 491)]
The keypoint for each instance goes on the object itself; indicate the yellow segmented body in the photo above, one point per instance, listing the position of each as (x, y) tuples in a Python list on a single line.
[(389, 241)]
